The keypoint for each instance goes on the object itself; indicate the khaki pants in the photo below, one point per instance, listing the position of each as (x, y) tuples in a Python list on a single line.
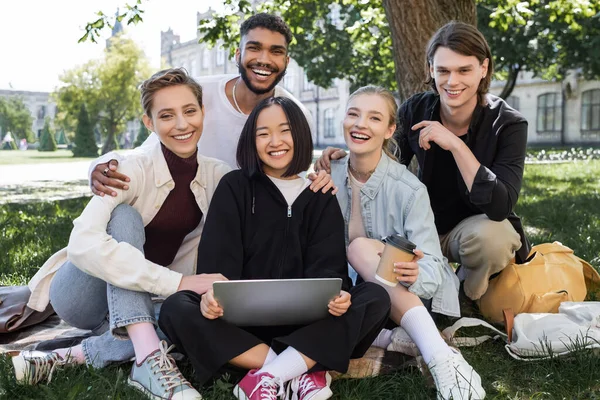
[(483, 247)]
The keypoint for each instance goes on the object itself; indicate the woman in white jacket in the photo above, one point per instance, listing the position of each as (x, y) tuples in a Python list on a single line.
[(140, 243)]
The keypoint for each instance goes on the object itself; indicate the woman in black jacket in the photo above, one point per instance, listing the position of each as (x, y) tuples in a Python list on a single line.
[(264, 223)]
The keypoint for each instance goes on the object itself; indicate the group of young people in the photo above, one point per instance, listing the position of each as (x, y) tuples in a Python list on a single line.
[(169, 221)]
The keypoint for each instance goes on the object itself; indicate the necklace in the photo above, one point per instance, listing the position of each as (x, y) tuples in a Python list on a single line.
[(358, 174), (234, 99)]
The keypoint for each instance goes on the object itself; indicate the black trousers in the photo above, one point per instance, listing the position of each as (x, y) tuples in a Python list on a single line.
[(331, 342)]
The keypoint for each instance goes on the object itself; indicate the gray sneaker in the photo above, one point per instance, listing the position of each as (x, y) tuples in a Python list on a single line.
[(159, 378), (32, 367)]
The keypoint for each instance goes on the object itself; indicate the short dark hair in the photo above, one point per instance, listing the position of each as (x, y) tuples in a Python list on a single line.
[(247, 154), (464, 39), (271, 22), (167, 78)]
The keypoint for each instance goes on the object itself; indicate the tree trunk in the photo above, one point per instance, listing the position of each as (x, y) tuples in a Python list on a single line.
[(110, 143), (412, 23), (513, 74)]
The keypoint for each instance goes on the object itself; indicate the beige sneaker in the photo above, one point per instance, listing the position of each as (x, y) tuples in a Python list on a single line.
[(32, 367)]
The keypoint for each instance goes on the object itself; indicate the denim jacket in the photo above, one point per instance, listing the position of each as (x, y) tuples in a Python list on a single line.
[(393, 200)]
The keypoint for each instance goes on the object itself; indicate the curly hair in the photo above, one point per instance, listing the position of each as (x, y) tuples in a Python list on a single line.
[(271, 22)]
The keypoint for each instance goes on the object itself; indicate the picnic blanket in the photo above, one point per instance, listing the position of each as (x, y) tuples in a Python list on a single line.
[(55, 333)]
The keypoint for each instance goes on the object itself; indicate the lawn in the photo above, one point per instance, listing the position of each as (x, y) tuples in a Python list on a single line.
[(558, 202), (9, 157)]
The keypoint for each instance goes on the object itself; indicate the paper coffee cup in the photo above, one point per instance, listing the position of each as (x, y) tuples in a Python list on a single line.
[(397, 249)]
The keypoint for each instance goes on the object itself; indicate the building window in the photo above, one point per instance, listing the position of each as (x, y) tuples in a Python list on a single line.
[(205, 59), (328, 121), (307, 85), (549, 115), (288, 81), (513, 101), (194, 67), (590, 114), (220, 57)]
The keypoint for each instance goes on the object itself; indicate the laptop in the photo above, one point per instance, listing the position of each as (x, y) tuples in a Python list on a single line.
[(271, 302)]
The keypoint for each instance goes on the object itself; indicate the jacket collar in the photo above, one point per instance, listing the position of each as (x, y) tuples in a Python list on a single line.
[(162, 175)]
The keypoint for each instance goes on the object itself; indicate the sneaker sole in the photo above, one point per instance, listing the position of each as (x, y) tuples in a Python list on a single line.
[(21, 367), (323, 394), (239, 393)]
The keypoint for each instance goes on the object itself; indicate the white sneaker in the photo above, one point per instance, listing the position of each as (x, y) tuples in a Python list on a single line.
[(402, 343), (32, 367), (454, 378)]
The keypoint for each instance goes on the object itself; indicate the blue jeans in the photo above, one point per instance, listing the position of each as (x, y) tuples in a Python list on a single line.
[(87, 302)]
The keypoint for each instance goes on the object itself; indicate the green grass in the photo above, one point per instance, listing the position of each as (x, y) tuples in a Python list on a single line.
[(558, 202), (10, 157)]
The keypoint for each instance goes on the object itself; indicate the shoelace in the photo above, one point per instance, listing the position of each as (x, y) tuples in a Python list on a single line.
[(449, 376), (43, 366), (299, 386), (270, 388), (166, 364)]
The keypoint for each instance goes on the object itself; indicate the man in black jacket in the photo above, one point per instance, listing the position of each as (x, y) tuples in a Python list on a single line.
[(470, 147)]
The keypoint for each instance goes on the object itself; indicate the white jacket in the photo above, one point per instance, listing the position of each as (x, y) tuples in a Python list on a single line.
[(95, 252)]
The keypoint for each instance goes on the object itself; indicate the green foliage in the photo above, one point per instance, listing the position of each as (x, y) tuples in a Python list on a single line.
[(85, 144), (141, 136), (15, 118), (546, 37), (107, 87), (47, 139), (132, 15)]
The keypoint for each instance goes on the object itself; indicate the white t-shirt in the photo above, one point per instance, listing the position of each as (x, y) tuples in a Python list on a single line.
[(222, 122), (290, 188)]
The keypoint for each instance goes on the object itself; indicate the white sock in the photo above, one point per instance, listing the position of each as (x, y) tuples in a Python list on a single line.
[(74, 354), (420, 327), (287, 365), (271, 355), (144, 339), (384, 339)]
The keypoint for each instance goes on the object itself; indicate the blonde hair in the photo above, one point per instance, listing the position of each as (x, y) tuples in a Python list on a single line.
[(390, 146)]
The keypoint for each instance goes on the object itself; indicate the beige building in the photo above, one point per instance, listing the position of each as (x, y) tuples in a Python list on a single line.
[(39, 104), (559, 113), (327, 106)]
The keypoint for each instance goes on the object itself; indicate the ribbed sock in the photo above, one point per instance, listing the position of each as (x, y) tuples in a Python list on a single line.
[(287, 365), (384, 339), (420, 327), (271, 355)]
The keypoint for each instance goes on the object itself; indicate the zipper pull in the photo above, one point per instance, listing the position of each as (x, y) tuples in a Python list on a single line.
[(289, 212)]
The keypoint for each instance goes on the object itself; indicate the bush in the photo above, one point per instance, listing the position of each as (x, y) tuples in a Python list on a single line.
[(47, 140), (85, 143)]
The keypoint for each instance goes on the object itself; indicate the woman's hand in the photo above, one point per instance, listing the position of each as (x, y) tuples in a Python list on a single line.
[(105, 177), (408, 272), (322, 180), (341, 304), (199, 283), (209, 307)]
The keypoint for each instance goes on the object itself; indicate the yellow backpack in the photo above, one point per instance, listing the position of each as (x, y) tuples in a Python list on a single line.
[(552, 274)]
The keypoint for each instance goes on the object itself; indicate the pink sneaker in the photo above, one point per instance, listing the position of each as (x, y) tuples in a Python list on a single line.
[(313, 386), (254, 386)]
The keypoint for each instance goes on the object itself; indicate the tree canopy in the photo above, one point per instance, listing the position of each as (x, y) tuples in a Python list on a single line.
[(366, 42), (107, 88), (15, 118)]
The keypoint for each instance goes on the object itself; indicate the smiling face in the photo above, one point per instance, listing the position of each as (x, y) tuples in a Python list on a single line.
[(274, 141), (367, 124), (457, 77), (177, 119), (262, 59)]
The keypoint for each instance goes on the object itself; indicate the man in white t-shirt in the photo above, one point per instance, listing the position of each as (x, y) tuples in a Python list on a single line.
[(262, 59)]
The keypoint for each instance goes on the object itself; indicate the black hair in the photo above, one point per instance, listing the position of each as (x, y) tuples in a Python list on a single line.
[(247, 153), (271, 22)]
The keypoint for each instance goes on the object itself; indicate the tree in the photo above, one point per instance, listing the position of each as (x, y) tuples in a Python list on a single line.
[(353, 39), (108, 88), (85, 144), (47, 139), (16, 118), (141, 136)]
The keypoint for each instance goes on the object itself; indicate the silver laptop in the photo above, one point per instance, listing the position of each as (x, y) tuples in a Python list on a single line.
[(276, 301)]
